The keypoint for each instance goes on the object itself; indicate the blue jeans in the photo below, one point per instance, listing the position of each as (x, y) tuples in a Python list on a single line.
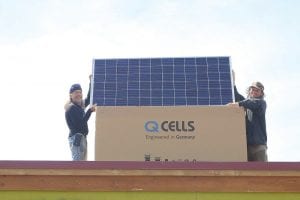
[(78, 146), (257, 153)]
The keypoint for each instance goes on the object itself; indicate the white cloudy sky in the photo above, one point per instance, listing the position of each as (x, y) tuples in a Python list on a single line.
[(46, 45)]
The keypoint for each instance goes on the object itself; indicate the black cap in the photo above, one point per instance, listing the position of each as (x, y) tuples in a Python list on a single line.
[(75, 87)]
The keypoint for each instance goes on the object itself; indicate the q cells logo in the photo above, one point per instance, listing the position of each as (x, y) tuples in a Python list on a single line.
[(151, 126), (169, 126)]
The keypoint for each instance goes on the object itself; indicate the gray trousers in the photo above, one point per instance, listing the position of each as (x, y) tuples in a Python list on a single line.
[(78, 148), (257, 153)]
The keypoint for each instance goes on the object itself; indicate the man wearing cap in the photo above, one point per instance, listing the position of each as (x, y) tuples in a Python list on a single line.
[(77, 119), (255, 107)]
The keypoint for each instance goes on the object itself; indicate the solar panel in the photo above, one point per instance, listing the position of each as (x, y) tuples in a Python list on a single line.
[(162, 81)]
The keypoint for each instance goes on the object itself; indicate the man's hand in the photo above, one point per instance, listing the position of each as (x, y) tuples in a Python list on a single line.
[(93, 107), (233, 104)]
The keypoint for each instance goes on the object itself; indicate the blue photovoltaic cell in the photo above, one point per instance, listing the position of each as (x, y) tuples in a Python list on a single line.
[(162, 81)]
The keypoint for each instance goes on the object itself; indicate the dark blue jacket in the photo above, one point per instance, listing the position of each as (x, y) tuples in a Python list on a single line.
[(255, 118), (77, 118)]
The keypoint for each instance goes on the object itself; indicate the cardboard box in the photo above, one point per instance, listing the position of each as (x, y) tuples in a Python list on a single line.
[(184, 133)]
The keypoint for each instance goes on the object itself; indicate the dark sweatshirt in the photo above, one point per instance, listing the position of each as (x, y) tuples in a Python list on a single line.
[(255, 118), (77, 118)]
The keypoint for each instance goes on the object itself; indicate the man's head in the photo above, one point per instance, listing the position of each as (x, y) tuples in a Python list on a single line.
[(76, 94), (256, 90)]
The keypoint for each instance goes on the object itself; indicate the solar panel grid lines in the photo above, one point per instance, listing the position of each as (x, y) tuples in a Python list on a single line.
[(208, 85), (162, 81)]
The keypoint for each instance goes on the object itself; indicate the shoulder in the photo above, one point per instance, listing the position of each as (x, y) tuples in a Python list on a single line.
[(264, 103), (261, 103), (70, 107)]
